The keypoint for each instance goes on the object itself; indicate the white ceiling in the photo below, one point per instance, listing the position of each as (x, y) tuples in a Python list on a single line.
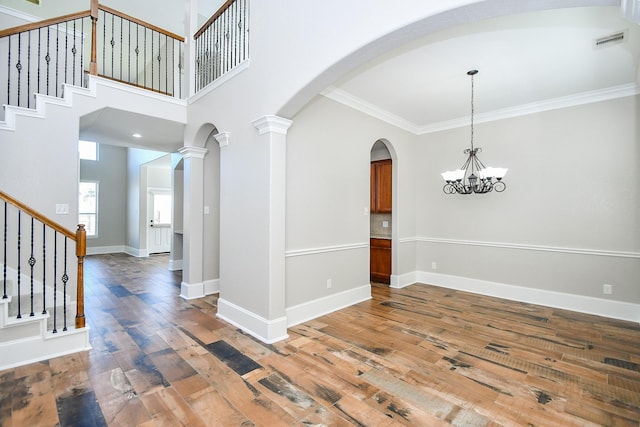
[(523, 60)]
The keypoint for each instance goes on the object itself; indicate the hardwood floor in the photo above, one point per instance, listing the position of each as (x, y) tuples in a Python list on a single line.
[(422, 356)]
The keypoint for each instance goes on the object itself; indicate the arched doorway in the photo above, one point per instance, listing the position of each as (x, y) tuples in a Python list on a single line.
[(381, 213)]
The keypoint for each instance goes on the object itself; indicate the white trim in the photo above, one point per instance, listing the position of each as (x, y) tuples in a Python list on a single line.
[(99, 250), (223, 139), (192, 152), (402, 280), (598, 95), (579, 251), (267, 331), (34, 349), (191, 290), (272, 124), (175, 264), (319, 307), (583, 304), (325, 249), (18, 14), (219, 81), (138, 253), (358, 104), (211, 286)]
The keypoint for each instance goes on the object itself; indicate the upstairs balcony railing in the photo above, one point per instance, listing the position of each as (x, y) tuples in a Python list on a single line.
[(40, 57), (222, 43)]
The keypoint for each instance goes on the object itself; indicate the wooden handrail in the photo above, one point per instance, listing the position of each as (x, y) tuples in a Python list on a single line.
[(215, 16), (37, 215), (80, 237), (141, 22), (45, 23)]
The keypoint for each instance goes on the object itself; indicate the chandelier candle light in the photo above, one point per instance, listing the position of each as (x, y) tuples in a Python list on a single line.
[(480, 178)]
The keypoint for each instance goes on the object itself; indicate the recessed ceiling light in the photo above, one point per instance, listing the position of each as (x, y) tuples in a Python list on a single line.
[(137, 135)]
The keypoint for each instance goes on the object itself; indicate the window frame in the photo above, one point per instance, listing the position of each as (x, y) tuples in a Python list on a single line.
[(95, 214)]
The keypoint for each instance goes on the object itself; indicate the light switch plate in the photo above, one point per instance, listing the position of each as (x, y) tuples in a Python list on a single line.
[(62, 208)]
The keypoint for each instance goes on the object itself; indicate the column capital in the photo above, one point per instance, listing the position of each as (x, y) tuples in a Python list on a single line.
[(272, 124), (192, 152), (223, 138)]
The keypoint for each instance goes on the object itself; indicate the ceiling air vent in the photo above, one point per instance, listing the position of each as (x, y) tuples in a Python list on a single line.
[(611, 38)]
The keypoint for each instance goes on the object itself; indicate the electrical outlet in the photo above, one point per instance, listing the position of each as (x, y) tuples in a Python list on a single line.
[(329, 283), (434, 265), (607, 289)]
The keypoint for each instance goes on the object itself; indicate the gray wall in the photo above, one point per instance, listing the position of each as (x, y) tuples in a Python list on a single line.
[(569, 220), (570, 213), (110, 170)]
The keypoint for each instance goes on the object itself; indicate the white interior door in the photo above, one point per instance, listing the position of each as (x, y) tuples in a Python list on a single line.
[(159, 221)]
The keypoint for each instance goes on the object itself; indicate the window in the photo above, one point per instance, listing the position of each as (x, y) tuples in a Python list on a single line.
[(88, 206), (88, 150), (161, 208)]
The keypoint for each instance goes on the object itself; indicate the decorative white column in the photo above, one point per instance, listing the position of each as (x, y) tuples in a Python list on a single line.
[(192, 283), (268, 322)]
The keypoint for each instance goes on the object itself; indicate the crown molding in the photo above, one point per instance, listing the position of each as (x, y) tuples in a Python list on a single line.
[(599, 95), (17, 14)]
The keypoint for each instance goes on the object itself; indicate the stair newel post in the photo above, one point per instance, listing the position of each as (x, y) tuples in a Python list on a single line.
[(93, 67), (81, 251)]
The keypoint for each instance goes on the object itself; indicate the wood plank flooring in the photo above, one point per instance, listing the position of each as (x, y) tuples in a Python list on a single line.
[(420, 356)]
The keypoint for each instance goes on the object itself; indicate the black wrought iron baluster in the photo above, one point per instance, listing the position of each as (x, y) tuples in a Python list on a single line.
[(55, 281), (4, 268), (151, 61), (234, 34), (166, 64), (28, 69), (19, 264), (19, 65), (82, 51), (57, 55), (120, 76), (112, 43), (159, 63), (66, 51), (73, 51), (144, 57), (9, 76), (47, 58), (180, 68), (129, 55), (137, 53), (65, 279), (44, 269), (104, 42), (32, 263), (39, 56)]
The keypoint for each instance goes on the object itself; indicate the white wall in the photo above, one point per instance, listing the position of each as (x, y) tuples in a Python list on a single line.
[(569, 220), (211, 222)]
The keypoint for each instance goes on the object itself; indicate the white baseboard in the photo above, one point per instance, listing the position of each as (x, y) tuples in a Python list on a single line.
[(583, 304), (35, 349), (136, 252), (400, 281), (319, 307), (199, 290), (191, 290), (211, 286), (175, 264), (100, 250), (267, 331)]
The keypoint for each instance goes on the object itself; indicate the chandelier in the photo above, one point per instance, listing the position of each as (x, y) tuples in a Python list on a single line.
[(473, 176)]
